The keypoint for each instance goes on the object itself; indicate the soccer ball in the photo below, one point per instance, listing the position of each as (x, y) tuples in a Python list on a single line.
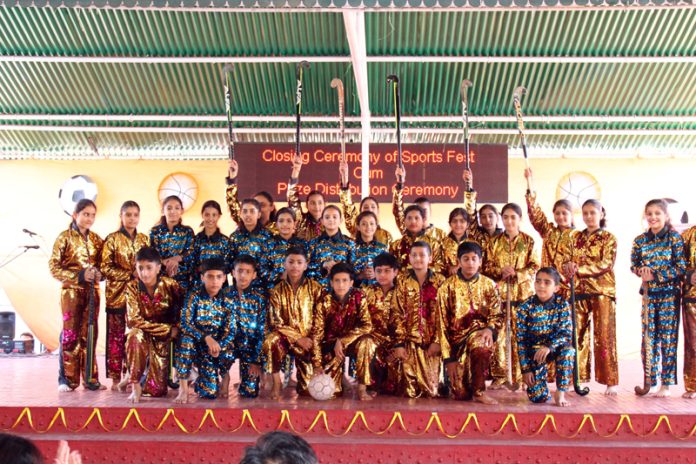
[(321, 387), (181, 185), (578, 187), (75, 189)]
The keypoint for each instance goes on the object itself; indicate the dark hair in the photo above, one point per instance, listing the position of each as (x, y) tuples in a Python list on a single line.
[(458, 212), (417, 208), (129, 204), (19, 450), (362, 202), (269, 198), (421, 200), (488, 206), (565, 204), (360, 217), (82, 204), (148, 254), (213, 264), (342, 268), (253, 202), (163, 218), (211, 204), (597, 205), (514, 207), (245, 259), (552, 272), (314, 192), (386, 259), (279, 448), (328, 207), (296, 250), (664, 206), (422, 244), (285, 210), (469, 247)]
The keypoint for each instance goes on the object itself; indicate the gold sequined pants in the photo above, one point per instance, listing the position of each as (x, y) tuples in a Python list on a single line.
[(602, 310), (690, 346), (275, 350), (75, 307), (473, 359), (499, 367), (421, 373), (362, 349), (141, 348)]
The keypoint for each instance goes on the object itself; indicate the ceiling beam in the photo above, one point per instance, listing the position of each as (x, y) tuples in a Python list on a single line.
[(343, 59)]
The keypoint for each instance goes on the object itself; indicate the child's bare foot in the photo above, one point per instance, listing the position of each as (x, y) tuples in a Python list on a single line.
[(136, 394), (114, 384), (560, 399), (484, 398), (123, 384), (182, 397), (225, 386), (653, 390), (63, 388), (277, 385), (689, 395), (612, 390), (363, 395), (663, 392), (498, 384)]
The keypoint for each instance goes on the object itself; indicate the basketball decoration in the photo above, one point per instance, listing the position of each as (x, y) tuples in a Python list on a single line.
[(75, 189), (321, 387), (181, 185), (578, 187)]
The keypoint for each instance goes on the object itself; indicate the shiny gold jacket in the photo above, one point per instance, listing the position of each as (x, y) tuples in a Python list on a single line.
[(689, 237), (72, 254), (419, 307), (518, 253), (291, 312), (350, 216), (118, 264), (595, 255), (154, 314), (387, 321)]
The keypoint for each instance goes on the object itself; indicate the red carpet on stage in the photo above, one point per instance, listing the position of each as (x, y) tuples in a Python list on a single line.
[(105, 428)]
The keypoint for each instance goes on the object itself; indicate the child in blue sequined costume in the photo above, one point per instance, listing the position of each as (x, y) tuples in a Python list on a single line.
[(209, 243), (544, 333), (330, 247), (282, 242), (173, 241), (249, 305), (207, 330), (253, 239), (659, 259)]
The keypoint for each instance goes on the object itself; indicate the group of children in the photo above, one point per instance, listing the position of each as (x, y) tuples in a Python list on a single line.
[(429, 314)]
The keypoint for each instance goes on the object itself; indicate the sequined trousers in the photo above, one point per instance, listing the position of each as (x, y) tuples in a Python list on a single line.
[(562, 359), (663, 331), (601, 310), (75, 307), (147, 353), (190, 352), (115, 343)]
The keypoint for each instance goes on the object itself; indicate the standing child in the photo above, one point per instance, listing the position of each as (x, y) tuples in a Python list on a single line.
[(416, 299), (267, 207), (75, 262), (292, 305), (118, 267), (207, 330), (249, 311), (366, 248), (544, 333), (483, 227), (414, 220), (153, 303), (657, 257), (285, 239), (689, 302), (329, 248), (350, 212), (209, 243), (512, 263), (309, 224), (173, 241), (387, 325), (459, 223), (252, 239), (593, 255), (400, 215), (468, 324), (341, 328), (557, 238)]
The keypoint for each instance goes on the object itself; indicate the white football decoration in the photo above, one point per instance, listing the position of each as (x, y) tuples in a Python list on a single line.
[(578, 187), (75, 189), (181, 185), (321, 387)]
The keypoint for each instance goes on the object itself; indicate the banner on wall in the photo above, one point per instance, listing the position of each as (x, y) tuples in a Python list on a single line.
[(432, 170)]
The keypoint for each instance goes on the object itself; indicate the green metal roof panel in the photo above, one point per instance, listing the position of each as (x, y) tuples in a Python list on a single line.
[(652, 32)]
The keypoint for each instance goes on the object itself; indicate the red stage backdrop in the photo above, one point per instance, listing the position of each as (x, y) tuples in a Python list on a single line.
[(432, 170)]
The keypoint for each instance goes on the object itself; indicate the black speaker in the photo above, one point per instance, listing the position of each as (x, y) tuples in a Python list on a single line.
[(7, 325)]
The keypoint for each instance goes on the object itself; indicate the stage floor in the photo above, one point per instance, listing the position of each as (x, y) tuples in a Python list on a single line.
[(31, 381)]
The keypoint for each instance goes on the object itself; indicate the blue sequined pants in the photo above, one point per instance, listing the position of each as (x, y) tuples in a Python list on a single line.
[(563, 360), (663, 328), (192, 351)]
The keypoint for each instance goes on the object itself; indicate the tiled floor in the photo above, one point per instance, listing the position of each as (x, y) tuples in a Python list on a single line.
[(32, 381)]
